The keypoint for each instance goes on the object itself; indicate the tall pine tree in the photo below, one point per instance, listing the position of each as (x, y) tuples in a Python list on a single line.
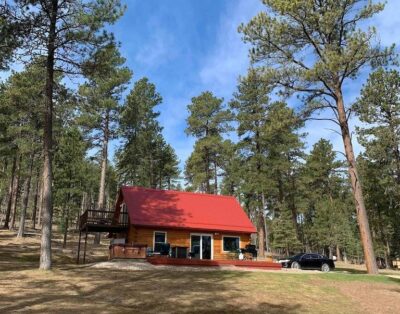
[(208, 121), (312, 48)]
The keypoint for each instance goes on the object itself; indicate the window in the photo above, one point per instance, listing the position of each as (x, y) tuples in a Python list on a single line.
[(231, 244), (160, 238)]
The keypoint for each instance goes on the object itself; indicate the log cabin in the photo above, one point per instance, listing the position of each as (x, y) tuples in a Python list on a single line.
[(204, 226)]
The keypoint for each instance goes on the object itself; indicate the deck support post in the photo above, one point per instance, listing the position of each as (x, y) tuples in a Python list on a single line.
[(100, 221), (79, 246), (84, 251)]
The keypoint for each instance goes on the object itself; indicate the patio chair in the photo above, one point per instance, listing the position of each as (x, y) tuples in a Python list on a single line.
[(149, 252), (165, 249), (191, 254), (252, 250)]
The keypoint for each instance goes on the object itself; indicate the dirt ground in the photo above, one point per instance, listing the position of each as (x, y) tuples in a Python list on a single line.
[(100, 287)]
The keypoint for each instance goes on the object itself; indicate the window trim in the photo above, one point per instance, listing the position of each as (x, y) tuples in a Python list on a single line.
[(154, 238), (229, 236)]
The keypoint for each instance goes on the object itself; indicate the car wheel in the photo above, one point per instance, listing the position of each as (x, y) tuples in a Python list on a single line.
[(325, 268), (295, 265)]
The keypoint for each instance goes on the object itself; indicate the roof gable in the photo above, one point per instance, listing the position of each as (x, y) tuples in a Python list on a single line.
[(186, 210)]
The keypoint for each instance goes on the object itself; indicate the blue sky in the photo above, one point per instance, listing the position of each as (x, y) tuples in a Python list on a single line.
[(188, 46), (185, 47)]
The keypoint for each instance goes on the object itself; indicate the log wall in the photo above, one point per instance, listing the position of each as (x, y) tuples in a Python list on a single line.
[(176, 237)]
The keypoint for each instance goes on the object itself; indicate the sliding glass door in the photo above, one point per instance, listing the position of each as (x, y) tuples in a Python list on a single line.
[(201, 246)]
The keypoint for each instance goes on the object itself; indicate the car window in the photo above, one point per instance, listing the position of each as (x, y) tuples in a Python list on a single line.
[(315, 256), (296, 257), (307, 256)]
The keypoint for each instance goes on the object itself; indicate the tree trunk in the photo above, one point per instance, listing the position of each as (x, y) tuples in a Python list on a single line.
[(66, 222), (264, 222), (361, 211), (151, 170), (215, 179), (15, 194), (293, 209), (66, 219), (345, 257), (388, 260), (160, 179), (47, 210), (40, 203), (330, 252), (338, 255), (261, 234), (83, 203), (383, 235), (3, 195), (207, 170), (104, 156), (83, 208), (10, 193), (27, 185), (35, 200)]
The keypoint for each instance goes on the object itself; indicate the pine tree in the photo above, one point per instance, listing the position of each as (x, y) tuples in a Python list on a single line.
[(208, 120), (20, 139), (63, 33), (325, 189), (145, 158), (379, 109), (327, 33), (69, 176), (107, 79), (251, 104), (284, 233), (267, 155), (12, 31)]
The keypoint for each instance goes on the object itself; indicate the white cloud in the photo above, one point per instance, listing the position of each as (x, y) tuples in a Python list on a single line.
[(387, 23), (159, 48), (229, 58)]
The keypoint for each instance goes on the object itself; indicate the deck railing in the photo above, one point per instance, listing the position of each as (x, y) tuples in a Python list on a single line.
[(103, 218)]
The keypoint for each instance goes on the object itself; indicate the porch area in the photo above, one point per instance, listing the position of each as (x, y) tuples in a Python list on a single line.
[(161, 260), (93, 221)]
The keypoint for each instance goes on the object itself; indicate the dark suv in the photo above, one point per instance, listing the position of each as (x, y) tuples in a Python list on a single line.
[(308, 261)]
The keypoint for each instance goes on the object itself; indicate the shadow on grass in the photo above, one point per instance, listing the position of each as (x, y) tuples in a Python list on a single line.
[(395, 280), (100, 290), (71, 288), (23, 254)]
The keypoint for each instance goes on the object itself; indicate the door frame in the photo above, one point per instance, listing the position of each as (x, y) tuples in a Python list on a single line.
[(201, 243)]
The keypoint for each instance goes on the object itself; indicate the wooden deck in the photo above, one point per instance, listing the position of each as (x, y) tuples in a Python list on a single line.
[(100, 221), (198, 262), (103, 221)]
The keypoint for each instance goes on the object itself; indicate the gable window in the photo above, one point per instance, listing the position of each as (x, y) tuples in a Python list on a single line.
[(160, 238), (231, 244)]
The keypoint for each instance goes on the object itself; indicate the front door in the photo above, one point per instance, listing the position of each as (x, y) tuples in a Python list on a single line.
[(201, 246)]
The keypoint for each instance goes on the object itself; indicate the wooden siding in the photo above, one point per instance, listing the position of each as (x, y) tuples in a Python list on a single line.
[(176, 237)]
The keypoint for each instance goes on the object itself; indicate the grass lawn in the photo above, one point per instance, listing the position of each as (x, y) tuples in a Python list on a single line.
[(69, 288)]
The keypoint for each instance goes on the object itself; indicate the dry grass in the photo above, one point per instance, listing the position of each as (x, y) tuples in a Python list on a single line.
[(70, 288)]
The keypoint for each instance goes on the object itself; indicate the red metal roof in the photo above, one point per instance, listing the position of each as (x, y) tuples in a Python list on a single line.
[(184, 210)]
